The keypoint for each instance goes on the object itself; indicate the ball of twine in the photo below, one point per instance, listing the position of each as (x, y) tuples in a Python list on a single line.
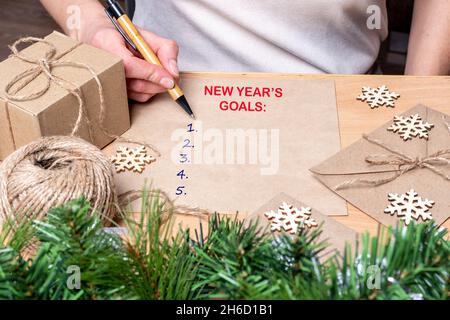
[(51, 171)]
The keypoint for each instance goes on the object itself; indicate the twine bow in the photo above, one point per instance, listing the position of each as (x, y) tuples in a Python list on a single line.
[(45, 66), (403, 162)]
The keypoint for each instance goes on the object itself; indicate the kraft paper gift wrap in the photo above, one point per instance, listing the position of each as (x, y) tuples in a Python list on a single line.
[(56, 111), (335, 234), (226, 171), (350, 164)]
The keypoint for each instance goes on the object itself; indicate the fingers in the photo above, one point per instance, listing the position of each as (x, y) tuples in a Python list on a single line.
[(137, 68), (166, 50), (141, 90), (143, 78), (142, 86), (139, 96)]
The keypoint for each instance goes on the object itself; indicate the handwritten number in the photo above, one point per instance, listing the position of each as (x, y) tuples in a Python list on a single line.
[(181, 174), (187, 144), (184, 157), (179, 191)]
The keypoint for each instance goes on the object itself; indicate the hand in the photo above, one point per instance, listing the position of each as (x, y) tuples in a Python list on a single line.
[(144, 79)]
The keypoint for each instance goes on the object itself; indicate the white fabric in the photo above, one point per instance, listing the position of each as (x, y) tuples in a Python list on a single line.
[(299, 36)]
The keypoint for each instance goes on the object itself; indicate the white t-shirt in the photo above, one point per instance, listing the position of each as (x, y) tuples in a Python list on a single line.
[(298, 36)]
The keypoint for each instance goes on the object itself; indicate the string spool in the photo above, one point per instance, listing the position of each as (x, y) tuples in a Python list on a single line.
[(52, 171)]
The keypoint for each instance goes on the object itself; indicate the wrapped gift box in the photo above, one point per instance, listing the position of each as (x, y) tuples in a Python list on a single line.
[(56, 111)]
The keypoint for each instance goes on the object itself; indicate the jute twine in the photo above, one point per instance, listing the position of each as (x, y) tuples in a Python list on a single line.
[(51, 171), (169, 208), (403, 162), (54, 170)]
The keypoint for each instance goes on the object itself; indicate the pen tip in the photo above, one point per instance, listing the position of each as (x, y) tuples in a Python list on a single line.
[(193, 116), (185, 105)]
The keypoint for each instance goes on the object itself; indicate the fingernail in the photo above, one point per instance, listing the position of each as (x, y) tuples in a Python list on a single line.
[(167, 83), (174, 67)]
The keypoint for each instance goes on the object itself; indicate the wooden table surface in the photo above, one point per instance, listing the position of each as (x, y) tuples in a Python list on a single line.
[(356, 117)]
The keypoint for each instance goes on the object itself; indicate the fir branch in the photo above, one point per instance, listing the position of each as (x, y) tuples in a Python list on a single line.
[(160, 266), (232, 261), (236, 260), (244, 262), (409, 262)]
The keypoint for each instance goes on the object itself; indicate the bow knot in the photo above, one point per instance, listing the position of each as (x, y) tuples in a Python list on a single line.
[(403, 162), (44, 64), (420, 162)]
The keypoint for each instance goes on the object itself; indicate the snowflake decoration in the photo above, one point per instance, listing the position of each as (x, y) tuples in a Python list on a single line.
[(410, 127), (409, 206), (131, 159), (290, 218), (378, 97)]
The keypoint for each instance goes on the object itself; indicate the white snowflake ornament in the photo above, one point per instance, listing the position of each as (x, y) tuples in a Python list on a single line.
[(290, 218), (131, 159), (378, 97), (409, 206), (411, 127)]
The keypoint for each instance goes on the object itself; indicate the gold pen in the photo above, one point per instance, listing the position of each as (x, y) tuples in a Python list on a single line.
[(132, 36)]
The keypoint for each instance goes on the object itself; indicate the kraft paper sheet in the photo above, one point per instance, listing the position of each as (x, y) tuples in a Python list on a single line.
[(304, 119)]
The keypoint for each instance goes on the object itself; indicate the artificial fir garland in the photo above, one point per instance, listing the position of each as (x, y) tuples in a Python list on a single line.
[(235, 261)]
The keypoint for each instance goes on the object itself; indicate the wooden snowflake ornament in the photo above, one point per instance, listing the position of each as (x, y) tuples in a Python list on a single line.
[(290, 218), (378, 97), (131, 159), (411, 127), (409, 206)]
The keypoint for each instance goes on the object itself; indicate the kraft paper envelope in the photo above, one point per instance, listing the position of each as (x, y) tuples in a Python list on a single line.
[(351, 164), (235, 160), (335, 234)]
